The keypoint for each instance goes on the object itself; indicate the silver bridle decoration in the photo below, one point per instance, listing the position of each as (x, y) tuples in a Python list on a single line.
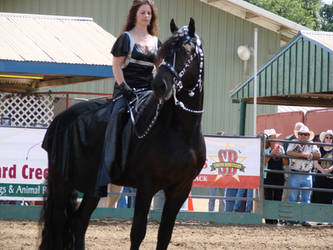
[(157, 111), (141, 96), (177, 79), (178, 84)]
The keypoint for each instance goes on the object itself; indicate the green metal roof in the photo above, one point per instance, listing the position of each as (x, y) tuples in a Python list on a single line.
[(300, 74)]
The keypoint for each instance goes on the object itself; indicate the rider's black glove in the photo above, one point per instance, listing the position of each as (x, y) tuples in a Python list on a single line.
[(126, 91)]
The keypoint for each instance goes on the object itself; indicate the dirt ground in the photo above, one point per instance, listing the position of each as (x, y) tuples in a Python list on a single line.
[(114, 234)]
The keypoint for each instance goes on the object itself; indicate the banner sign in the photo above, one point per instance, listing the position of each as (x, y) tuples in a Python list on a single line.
[(23, 164), (232, 162)]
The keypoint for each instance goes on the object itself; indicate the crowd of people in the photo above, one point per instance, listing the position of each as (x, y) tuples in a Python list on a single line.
[(304, 159), (297, 162)]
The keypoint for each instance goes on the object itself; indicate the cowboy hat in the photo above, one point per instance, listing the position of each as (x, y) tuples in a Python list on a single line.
[(305, 129), (298, 125), (270, 132), (323, 134)]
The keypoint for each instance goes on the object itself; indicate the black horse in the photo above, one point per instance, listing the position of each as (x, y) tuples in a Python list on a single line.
[(168, 156)]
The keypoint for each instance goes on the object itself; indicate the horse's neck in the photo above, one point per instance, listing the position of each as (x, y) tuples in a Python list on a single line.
[(170, 116), (187, 122), (147, 114)]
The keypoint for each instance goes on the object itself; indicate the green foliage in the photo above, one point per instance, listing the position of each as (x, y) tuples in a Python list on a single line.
[(326, 12), (304, 12)]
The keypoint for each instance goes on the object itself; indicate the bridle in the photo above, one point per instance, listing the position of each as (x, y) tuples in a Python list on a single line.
[(177, 77)]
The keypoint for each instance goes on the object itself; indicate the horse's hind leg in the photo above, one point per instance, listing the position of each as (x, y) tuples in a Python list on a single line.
[(139, 225), (174, 199), (80, 220)]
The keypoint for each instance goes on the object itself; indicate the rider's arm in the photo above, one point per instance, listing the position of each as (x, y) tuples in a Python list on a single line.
[(118, 61)]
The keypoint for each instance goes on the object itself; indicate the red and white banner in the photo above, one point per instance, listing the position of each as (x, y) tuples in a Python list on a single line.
[(231, 162), (23, 164)]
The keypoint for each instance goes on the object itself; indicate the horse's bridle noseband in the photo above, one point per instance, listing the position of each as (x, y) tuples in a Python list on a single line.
[(177, 79)]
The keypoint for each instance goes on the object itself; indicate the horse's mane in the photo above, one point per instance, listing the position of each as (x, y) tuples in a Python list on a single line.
[(172, 43)]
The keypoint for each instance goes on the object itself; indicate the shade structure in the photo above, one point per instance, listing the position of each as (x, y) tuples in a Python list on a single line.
[(301, 74), (38, 51)]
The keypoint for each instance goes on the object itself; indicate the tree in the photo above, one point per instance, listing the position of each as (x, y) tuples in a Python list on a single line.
[(304, 12), (326, 12)]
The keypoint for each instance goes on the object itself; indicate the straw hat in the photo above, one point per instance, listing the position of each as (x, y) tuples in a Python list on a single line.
[(298, 125), (323, 134), (305, 129), (270, 132)]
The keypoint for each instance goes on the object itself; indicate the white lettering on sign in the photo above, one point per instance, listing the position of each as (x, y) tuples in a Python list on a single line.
[(201, 178)]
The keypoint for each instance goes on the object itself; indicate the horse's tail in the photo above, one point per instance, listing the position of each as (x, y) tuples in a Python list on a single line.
[(55, 220)]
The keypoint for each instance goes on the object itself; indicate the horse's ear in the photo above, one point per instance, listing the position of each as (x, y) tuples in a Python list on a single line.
[(191, 27), (173, 26)]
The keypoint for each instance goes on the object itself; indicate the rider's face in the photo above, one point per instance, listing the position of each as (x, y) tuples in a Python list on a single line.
[(143, 15)]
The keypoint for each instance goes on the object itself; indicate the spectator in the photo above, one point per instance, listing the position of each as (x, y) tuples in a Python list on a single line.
[(285, 192), (112, 199), (211, 203), (158, 200), (243, 205), (314, 169), (301, 166), (238, 205), (273, 163), (229, 204), (324, 167), (291, 137), (127, 201)]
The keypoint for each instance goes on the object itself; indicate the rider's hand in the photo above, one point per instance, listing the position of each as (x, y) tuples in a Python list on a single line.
[(126, 91)]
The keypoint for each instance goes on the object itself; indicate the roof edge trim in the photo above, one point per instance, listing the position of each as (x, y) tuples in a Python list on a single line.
[(56, 68), (269, 15), (304, 34), (9, 14)]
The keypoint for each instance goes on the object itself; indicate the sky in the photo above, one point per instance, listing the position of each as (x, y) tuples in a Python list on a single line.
[(327, 1)]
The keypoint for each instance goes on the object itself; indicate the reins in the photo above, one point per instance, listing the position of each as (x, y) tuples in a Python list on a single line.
[(141, 96)]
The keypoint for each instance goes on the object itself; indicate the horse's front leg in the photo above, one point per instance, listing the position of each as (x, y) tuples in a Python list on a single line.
[(139, 225), (174, 199), (80, 220)]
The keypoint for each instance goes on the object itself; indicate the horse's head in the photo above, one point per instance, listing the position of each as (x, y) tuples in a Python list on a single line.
[(182, 63)]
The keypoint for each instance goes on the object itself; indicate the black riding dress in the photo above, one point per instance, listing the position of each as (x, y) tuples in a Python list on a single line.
[(138, 72), (81, 140)]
